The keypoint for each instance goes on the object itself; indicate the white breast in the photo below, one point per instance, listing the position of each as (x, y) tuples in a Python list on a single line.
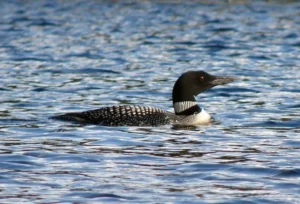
[(201, 118)]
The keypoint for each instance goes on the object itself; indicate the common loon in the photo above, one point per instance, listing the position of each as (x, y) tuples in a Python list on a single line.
[(187, 111)]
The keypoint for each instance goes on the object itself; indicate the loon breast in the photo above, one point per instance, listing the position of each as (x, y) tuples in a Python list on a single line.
[(189, 114), (201, 118)]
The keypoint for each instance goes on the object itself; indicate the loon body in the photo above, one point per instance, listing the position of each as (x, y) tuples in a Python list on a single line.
[(187, 111)]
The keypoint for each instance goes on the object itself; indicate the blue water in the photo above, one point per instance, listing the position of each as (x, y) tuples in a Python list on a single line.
[(64, 56)]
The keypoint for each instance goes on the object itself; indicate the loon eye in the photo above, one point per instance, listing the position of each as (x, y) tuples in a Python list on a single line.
[(202, 78)]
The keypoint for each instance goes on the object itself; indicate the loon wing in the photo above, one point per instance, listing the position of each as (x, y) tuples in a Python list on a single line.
[(124, 115)]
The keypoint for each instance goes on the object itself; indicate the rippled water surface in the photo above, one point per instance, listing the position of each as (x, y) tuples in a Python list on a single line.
[(63, 56)]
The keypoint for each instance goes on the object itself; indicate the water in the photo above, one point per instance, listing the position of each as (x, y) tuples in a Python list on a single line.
[(63, 56)]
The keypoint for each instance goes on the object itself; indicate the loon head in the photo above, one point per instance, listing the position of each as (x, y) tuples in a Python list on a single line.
[(192, 83)]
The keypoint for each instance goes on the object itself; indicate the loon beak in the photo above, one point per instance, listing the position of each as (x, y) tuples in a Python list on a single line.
[(221, 80)]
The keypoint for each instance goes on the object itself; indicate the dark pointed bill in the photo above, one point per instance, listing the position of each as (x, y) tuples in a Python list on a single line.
[(221, 80)]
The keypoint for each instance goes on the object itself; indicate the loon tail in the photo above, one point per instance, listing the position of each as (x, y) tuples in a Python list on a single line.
[(76, 116)]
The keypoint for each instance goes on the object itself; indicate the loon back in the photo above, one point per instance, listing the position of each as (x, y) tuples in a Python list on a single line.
[(124, 115), (187, 111)]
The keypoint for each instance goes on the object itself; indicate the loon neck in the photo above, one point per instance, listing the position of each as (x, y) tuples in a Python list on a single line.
[(184, 102), (183, 95), (186, 108), (184, 91)]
